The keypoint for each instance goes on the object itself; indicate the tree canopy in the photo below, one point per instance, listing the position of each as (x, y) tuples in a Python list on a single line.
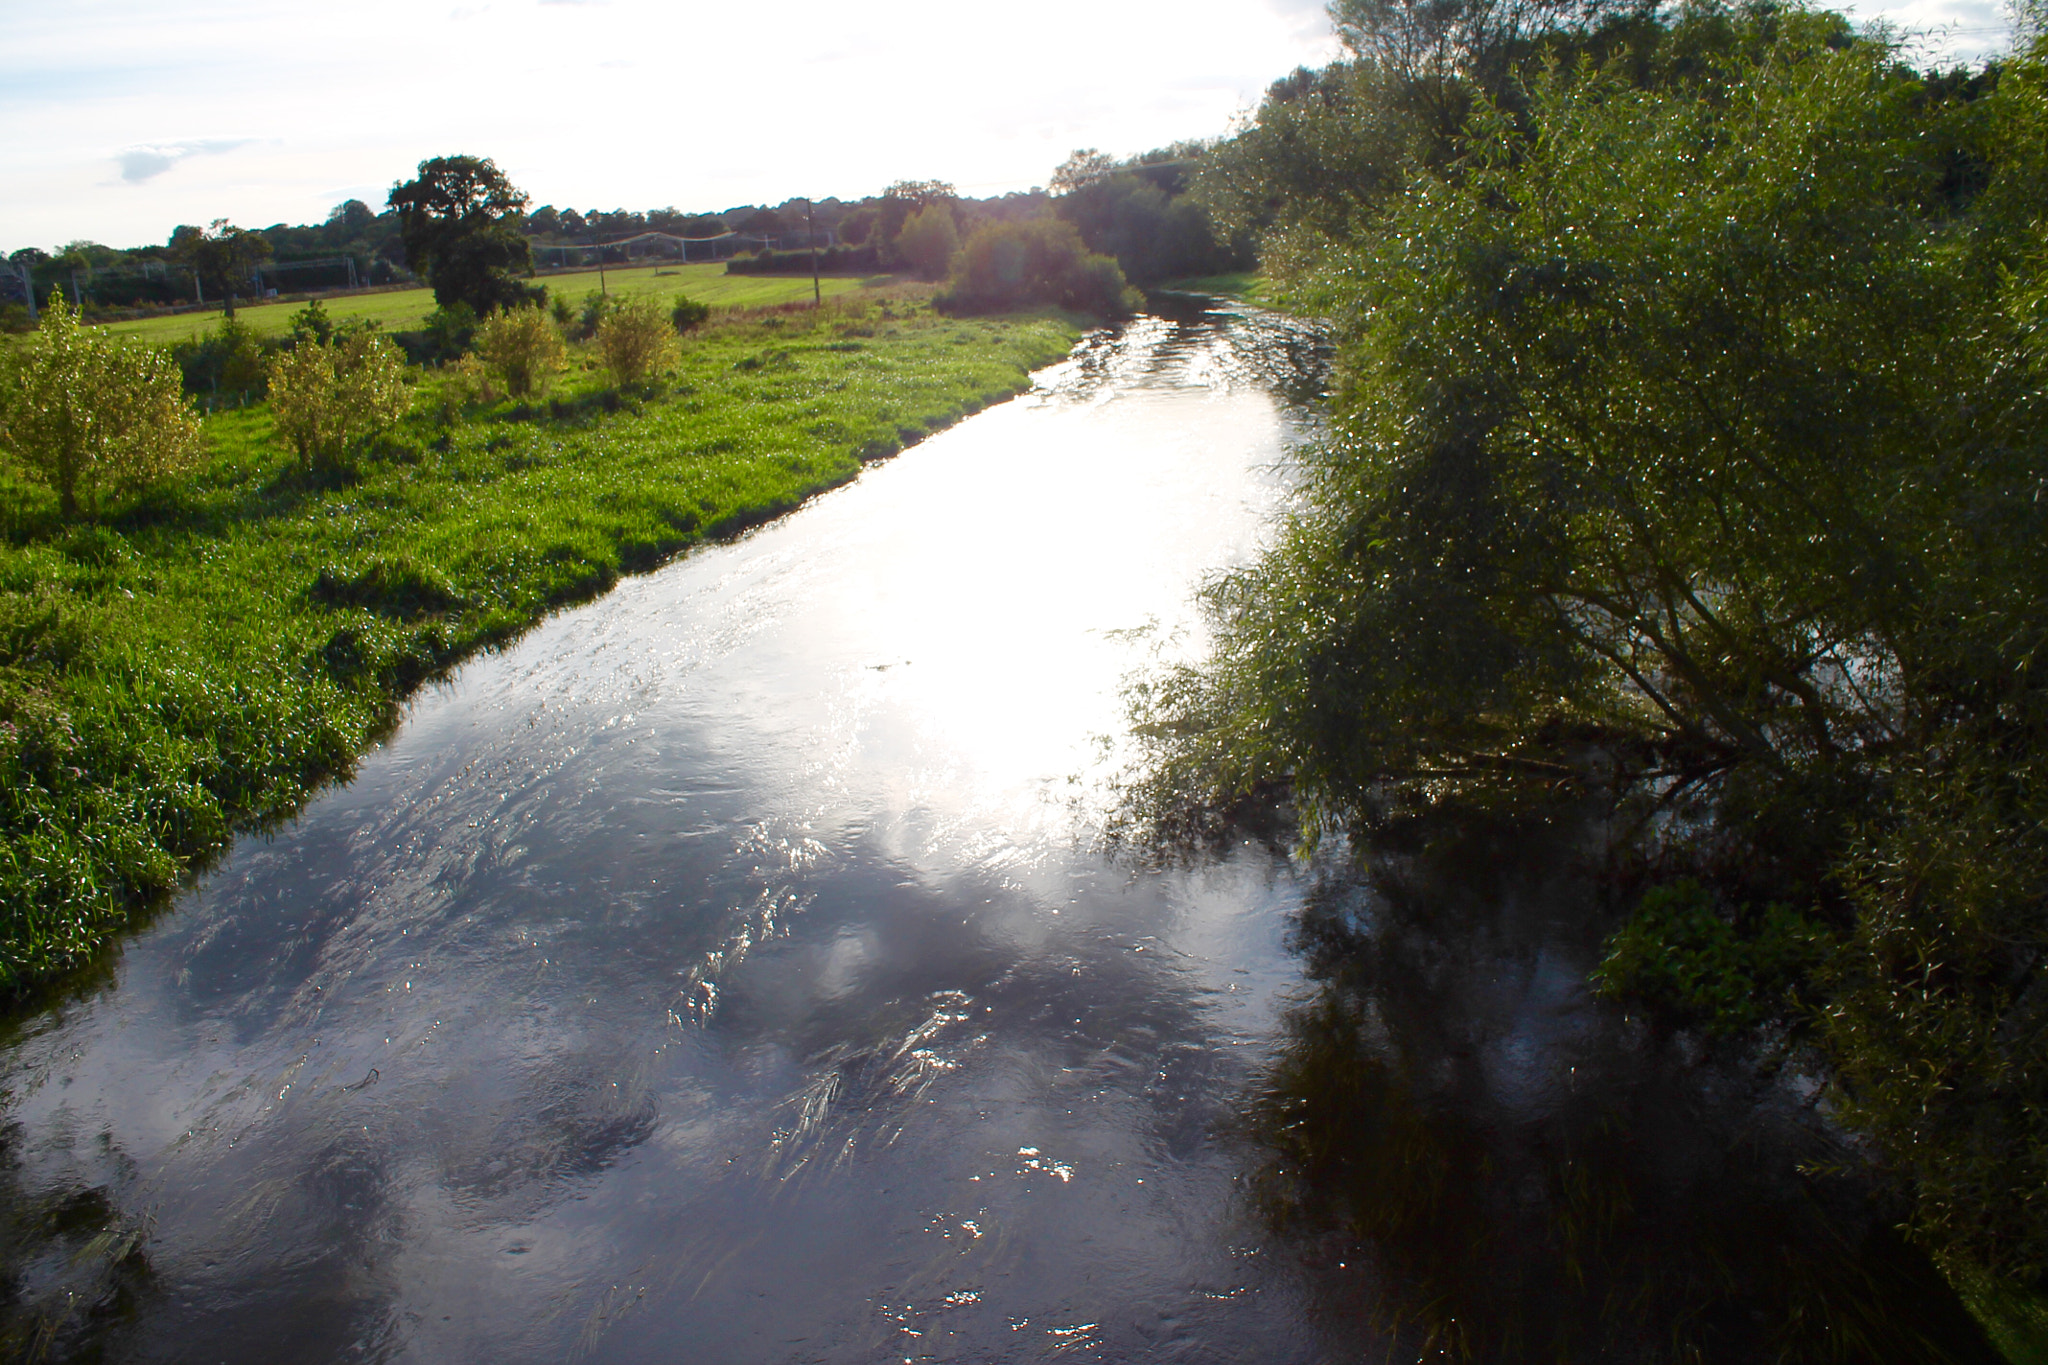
[(1686, 446), (223, 256), (459, 220)]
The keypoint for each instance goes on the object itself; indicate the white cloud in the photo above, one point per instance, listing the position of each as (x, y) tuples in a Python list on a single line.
[(139, 164)]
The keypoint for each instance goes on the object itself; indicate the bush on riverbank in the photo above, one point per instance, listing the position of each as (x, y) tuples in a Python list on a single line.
[(1034, 261), (203, 660)]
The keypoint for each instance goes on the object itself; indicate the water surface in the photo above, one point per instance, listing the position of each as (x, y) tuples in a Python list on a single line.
[(726, 965)]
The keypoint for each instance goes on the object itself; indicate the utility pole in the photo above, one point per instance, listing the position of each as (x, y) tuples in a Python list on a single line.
[(811, 227), (28, 288)]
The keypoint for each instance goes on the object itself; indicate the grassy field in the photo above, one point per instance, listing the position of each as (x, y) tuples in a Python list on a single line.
[(202, 661), (404, 309), (1246, 285)]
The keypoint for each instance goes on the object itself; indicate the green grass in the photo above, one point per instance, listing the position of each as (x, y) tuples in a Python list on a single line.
[(2015, 1319), (402, 310), (204, 660), (1246, 285)]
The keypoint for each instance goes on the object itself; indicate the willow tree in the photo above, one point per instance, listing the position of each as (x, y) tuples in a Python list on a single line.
[(1688, 444)]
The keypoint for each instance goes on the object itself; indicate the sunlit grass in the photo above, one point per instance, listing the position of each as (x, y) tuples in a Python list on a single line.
[(206, 659), (1246, 285), (405, 309)]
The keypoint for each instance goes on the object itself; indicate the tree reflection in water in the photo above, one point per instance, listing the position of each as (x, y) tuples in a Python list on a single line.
[(1490, 1166)]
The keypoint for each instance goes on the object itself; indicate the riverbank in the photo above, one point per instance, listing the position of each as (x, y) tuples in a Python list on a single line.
[(199, 664)]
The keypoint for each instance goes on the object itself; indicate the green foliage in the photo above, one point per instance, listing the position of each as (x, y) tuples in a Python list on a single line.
[(2016, 1321), (841, 259), (1682, 954), (688, 314), (1035, 261), (1939, 1007), (229, 359), (1686, 446), (91, 417), (1139, 212), (929, 240), (172, 678), (312, 323), (637, 342), (523, 347), (448, 334), (225, 258), (596, 307), (327, 400), (458, 221)]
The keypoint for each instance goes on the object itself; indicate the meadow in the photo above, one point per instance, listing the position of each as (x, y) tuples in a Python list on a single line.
[(200, 662), (401, 310), (1246, 286)]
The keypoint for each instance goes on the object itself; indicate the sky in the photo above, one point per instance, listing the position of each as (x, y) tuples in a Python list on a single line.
[(120, 119)]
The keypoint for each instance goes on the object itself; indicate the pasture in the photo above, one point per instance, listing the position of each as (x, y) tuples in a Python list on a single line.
[(402, 310)]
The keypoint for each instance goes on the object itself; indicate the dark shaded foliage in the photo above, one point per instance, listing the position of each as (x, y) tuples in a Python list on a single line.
[(1036, 261), (1686, 450), (459, 221)]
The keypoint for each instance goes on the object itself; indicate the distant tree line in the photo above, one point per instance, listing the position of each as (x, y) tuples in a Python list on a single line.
[(1138, 211)]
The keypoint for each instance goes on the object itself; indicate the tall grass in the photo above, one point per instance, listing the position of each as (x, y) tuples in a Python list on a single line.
[(203, 661)]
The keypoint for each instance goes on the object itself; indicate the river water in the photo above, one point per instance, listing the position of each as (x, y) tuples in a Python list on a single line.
[(727, 971)]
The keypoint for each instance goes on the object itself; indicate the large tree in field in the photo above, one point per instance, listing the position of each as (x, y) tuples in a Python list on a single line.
[(224, 257), (458, 220)]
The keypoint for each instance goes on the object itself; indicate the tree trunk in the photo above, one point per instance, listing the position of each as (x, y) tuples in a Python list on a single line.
[(67, 487)]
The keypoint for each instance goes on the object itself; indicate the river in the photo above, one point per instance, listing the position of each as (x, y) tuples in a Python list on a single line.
[(728, 971)]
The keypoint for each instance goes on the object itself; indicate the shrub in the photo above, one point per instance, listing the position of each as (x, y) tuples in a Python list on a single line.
[(89, 416), (636, 341), (523, 347), (1038, 260), (929, 239), (1679, 953), (563, 311), (311, 323), (451, 331), (465, 384), (325, 400), (839, 260), (229, 359), (596, 308), (689, 313), (1939, 1012)]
